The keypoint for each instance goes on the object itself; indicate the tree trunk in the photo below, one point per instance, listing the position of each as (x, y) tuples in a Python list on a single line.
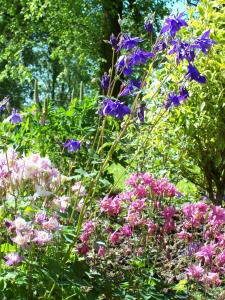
[(111, 11)]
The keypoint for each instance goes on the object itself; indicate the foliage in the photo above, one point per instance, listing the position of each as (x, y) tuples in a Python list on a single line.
[(196, 150)]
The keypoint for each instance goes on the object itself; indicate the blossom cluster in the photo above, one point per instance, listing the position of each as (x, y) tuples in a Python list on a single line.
[(39, 207), (131, 56), (143, 221), (33, 169)]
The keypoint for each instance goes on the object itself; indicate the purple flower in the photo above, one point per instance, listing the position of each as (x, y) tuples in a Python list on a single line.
[(113, 41), (127, 89), (141, 113), (140, 57), (114, 109), (183, 51), (72, 145), (129, 86), (148, 26), (15, 117), (13, 259), (123, 65), (174, 100), (127, 42), (160, 46), (204, 43), (105, 81), (194, 74), (173, 25)]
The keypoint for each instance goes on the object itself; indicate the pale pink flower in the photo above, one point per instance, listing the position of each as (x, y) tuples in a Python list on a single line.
[(20, 223), (42, 237), (79, 189), (51, 224), (21, 240), (61, 203), (13, 259)]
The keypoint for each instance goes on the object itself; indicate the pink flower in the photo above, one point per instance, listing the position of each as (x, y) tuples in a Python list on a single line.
[(169, 226), (206, 253), (212, 279), (111, 206), (184, 235), (137, 205), (152, 227), (21, 240), (83, 249), (20, 223), (221, 258), (133, 180), (114, 238), (217, 216), (169, 212), (133, 218), (126, 230), (195, 272), (140, 191), (101, 251), (89, 227)]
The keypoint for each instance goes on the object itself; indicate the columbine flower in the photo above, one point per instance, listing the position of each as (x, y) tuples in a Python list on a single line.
[(13, 259), (20, 223), (101, 251), (173, 25), (15, 118), (113, 41), (160, 46), (183, 51), (204, 43), (111, 206), (105, 82), (148, 25), (140, 57), (195, 272), (127, 89), (114, 109), (123, 65), (206, 252), (42, 237), (212, 278), (141, 113), (127, 42), (174, 100), (194, 74), (72, 145)]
